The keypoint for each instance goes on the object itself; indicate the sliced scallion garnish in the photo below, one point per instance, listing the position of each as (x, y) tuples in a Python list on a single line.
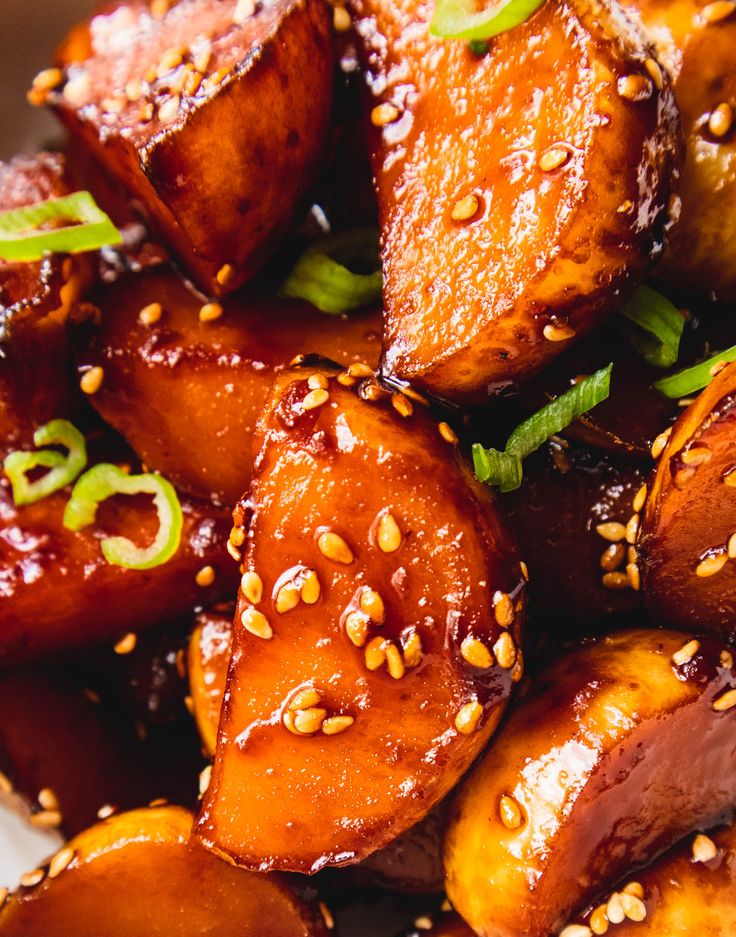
[(690, 380), (76, 224), (461, 19), (338, 273), (63, 469), (504, 469), (657, 327), (105, 480)]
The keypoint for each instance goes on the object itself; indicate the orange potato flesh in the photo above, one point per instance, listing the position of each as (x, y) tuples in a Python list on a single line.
[(698, 53), (58, 593), (617, 754), (208, 657), (138, 875), (149, 97), (217, 372), (690, 517), (382, 510), (570, 177)]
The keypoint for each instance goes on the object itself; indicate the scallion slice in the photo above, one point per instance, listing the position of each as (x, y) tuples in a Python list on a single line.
[(338, 273), (76, 224), (504, 469), (63, 469), (102, 482), (689, 380), (462, 19), (657, 329)]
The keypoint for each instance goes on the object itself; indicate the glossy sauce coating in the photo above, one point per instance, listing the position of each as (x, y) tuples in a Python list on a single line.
[(217, 372), (138, 875), (617, 753), (208, 656), (150, 95), (562, 142), (408, 552), (690, 516)]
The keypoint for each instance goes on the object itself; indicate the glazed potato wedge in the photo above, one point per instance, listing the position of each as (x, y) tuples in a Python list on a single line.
[(588, 780), (35, 299), (376, 631), (176, 887), (686, 537), (237, 98), (54, 583), (690, 890), (218, 372), (521, 192), (208, 656), (695, 42)]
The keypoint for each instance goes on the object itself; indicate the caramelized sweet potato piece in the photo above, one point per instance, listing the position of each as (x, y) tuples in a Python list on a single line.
[(695, 42), (216, 372), (57, 591), (376, 629), (208, 657), (214, 116), (138, 875), (686, 536), (521, 192), (588, 779)]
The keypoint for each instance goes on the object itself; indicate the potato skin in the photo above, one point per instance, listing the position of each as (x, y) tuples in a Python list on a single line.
[(593, 760), (219, 373), (690, 515), (346, 468), (274, 99), (467, 303), (139, 875)]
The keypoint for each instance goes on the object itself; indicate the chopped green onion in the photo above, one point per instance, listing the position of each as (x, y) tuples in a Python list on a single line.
[(658, 327), (461, 19), (338, 273), (76, 225), (693, 379), (63, 469), (102, 482), (478, 47), (504, 469)]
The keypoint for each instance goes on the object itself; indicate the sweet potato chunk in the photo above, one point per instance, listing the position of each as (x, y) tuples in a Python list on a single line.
[(690, 890), (208, 657), (696, 45), (623, 748), (214, 116), (57, 591), (138, 875), (376, 631), (521, 192), (217, 372), (686, 537)]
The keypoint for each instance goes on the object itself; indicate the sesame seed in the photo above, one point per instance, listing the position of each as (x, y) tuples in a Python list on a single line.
[(315, 398), (308, 721), (288, 722), (639, 498), (91, 380), (133, 89), (192, 81), (704, 849), (394, 661), (557, 332), (243, 11), (726, 659), (371, 390), (126, 644), (634, 888), (413, 650), (634, 908), (256, 623), (305, 699), (655, 73), (660, 442), (717, 11), (632, 528), (598, 920), (45, 81), (237, 536), (510, 812), (150, 314), (375, 653), (107, 810), (169, 61), (731, 547), (686, 653), (447, 433), (446, 906), (518, 672), (612, 557), (468, 717), (632, 571), (423, 923), (576, 930), (317, 381), (29, 879), (296, 361), (346, 380), (48, 799), (76, 90), (388, 534), (225, 274), (337, 724), (634, 87), (340, 19), (5, 785), (202, 56), (251, 585), (625, 207), (287, 598), (372, 604), (465, 208), (475, 653), (725, 701), (334, 547), (615, 581), (46, 819), (698, 455), (402, 405), (383, 114), (711, 565), (615, 909), (611, 530), (169, 109), (360, 369), (524, 570), (205, 577), (553, 158), (326, 916), (356, 628), (311, 589), (60, 861), (146, 112), (721, 120), (683, 476), (505, 651), (210, 312), (205, 776)]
